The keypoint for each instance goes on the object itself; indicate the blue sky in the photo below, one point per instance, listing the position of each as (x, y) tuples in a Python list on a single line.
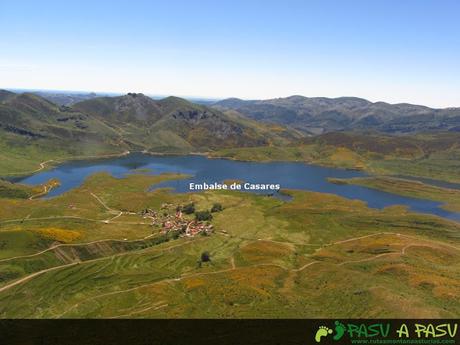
[(395, 51)]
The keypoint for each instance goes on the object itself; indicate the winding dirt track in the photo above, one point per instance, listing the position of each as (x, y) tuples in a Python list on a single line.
[(42, 166), (103, 203), (45, 191), (117, 213), (73, 245), (33, 275)]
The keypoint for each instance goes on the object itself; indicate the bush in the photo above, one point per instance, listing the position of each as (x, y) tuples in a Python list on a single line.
[(205, 257), (189, 209), (217, 207), (203, 215)]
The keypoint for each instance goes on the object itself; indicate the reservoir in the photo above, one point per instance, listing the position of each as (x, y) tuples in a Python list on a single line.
[(289, 175)]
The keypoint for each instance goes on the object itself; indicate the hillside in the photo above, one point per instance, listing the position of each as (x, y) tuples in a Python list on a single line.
[(32, 116), (131, 108), (34, 130), (318, 114)]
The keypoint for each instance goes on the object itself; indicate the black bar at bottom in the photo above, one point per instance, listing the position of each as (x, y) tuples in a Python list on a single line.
[(231, 332)]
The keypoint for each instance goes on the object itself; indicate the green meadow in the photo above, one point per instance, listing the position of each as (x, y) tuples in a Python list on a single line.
[(90, 253)]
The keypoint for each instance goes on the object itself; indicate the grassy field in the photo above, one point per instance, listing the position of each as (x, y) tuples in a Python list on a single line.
[(415, 189), (89, 253)]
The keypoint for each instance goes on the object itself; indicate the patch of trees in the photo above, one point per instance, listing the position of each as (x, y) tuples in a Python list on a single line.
[(217, 207), (189, 208), (20, 131), (203, 215)]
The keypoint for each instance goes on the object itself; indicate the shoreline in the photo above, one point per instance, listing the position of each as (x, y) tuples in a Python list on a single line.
[(43, 166)]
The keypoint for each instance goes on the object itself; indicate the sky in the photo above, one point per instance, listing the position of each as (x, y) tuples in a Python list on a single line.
[(381, 50)]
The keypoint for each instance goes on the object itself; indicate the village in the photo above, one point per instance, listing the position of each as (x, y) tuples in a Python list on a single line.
[(172, 218)]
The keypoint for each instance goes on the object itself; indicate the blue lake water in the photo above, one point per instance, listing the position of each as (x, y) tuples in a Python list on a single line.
[(289, 175)]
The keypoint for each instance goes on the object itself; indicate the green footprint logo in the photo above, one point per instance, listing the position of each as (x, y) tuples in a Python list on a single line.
[(322, 331), (339, 330)]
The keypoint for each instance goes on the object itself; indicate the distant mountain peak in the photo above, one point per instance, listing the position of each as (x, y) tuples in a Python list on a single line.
[(295, 98), (134, 94), (317, 115), (173, 99)]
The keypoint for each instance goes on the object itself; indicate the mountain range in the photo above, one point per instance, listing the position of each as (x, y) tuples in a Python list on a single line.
[(174, 125), (316, 115), (132, 121)]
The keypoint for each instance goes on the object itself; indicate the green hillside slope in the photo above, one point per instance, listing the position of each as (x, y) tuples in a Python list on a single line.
[(174, 124)]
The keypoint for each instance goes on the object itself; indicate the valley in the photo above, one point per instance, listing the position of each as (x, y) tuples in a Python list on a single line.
[(96, 219)]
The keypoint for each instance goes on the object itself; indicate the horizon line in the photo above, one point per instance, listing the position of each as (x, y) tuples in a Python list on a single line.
[(202, 98)]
